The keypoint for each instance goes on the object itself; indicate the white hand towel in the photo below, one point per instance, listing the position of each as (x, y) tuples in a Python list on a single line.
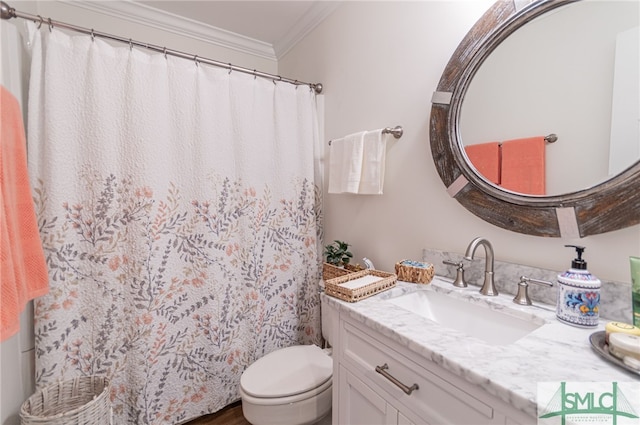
[(373, 165), (345, 163)]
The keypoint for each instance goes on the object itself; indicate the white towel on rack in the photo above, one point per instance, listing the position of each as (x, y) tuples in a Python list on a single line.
[(373, 164), (345, 163)]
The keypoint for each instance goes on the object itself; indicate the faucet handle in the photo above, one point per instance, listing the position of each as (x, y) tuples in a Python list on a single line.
[(460, 282), (522, 297), (368, 264)]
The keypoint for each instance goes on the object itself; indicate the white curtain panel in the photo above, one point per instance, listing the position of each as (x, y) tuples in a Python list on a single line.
[(180, 219)]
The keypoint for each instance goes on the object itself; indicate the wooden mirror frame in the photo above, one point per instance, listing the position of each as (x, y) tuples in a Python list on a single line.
[(611, 205)]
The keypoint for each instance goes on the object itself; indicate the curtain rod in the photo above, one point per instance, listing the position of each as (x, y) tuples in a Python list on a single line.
[(9, 12)]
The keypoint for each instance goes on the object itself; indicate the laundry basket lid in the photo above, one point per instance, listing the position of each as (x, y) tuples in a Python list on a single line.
[(287, 372)]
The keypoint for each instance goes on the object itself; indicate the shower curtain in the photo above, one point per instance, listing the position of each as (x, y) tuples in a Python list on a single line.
[(180, 216)]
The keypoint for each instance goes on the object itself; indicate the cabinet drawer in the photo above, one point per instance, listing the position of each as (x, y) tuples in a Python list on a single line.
[(435, 401)]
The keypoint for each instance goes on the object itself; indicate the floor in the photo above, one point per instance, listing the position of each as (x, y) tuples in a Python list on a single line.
[(230, 415)]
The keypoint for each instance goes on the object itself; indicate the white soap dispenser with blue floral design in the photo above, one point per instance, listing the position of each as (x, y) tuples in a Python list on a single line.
[(578, 294)]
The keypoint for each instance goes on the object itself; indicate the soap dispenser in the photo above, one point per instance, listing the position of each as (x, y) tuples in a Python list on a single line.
[(578, 294)]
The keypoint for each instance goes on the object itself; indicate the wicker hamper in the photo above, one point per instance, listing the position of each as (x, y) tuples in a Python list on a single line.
[(79, 401)]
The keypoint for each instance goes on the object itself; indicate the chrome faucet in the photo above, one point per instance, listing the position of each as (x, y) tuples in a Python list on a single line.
[(488, 287), (460, 282), (522, 297)]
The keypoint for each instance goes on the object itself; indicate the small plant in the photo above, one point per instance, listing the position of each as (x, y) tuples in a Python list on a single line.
[(338, 253)]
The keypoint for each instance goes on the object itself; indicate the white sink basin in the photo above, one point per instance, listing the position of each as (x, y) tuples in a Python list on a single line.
[(491, 326)]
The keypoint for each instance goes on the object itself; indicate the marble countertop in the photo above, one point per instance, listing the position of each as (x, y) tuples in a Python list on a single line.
[(554, 352)]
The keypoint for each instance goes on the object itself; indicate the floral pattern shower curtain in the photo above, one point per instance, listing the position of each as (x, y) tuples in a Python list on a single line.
[(180, 217)]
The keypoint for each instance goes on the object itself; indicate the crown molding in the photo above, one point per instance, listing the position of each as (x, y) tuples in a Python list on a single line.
[(312, 18), (165, 21)]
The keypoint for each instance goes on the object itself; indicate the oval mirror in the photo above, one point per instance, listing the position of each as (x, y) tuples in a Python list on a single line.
[(593, 203), (572, 73)]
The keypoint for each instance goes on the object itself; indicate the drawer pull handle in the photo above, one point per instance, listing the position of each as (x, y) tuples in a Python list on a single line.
[(382, 370)]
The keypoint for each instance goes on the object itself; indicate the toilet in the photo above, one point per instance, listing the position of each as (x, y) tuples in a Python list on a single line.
[(290, 385)]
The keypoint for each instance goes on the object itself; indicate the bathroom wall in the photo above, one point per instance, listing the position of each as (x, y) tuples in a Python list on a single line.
[(17, 353), (379, 63)]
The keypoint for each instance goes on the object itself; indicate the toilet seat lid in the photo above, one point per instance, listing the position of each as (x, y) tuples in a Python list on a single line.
[(287, 371)]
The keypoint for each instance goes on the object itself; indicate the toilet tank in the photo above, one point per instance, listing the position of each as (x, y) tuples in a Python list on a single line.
[(328, 315)]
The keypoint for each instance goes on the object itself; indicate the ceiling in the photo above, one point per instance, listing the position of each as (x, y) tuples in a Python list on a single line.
[(266, 21), (264, 28)]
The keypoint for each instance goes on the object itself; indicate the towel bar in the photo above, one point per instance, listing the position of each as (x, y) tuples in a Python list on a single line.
[(397, 132), (551, 138)]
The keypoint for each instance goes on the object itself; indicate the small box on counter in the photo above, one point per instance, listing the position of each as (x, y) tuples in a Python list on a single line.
[(414, 271)]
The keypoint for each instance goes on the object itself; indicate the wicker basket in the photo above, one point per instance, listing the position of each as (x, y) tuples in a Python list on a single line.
[(414, 271), (333, 286), (329, 271), (79, 401)]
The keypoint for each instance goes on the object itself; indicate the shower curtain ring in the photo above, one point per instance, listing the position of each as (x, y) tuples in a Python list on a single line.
[(230, 68), (130, 44), (50, 24), (254, 74), (92, 35), (40, 21), (195, 59), (164, 50)]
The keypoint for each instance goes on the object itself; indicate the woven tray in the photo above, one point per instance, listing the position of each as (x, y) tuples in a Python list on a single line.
[(329, 271), (414, 271), (336, 287), (79, 401)]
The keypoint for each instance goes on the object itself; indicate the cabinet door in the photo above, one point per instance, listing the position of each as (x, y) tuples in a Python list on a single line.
[(360, 405), (403, 420), (437, 400)]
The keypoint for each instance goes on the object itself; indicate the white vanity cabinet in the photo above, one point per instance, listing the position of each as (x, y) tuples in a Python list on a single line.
[(362, 395), (362, 405)]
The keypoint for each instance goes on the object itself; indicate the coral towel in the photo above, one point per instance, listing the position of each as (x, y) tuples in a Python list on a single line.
[(23, 270), (523, 165), (485, 157)]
